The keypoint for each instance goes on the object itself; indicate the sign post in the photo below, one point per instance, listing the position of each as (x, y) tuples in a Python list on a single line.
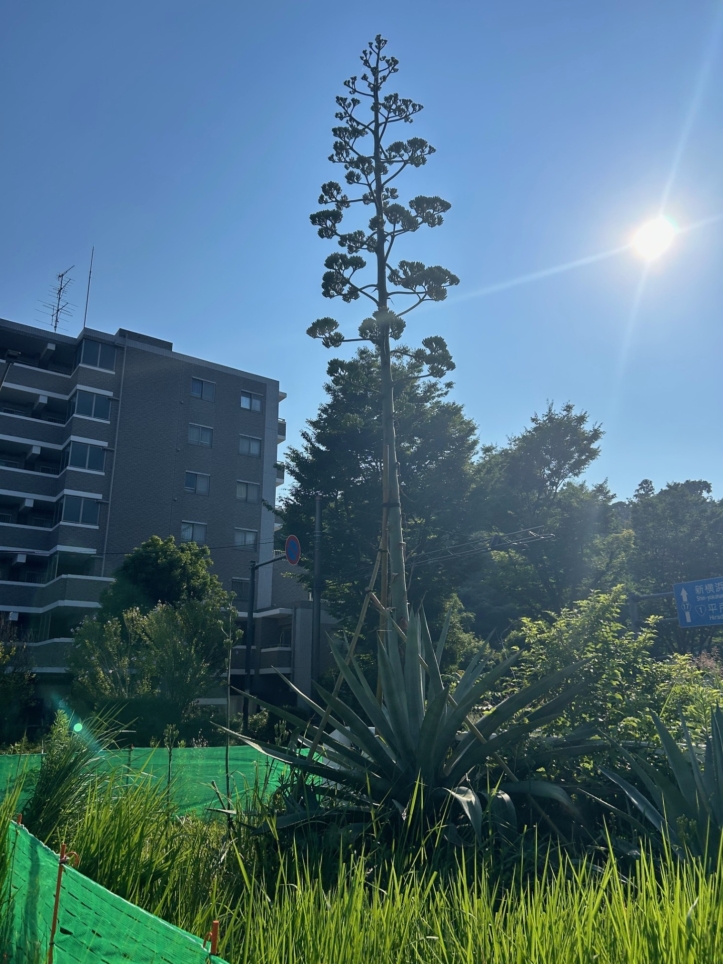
[(700, 602)]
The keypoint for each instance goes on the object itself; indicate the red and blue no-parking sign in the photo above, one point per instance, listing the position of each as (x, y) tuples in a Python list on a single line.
[(293, 550)]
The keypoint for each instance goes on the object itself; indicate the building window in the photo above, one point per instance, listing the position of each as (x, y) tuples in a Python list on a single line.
[(76, 509), (200, 435), (90, 405), (81, 455), (96, 354), (193, 532), (245, 538), (197, 482), (247, 491), (251, 402), (240, 587), (203, 389), (249, 446)]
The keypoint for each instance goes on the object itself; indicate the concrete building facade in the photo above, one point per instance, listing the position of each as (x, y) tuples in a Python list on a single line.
[(106, 440)]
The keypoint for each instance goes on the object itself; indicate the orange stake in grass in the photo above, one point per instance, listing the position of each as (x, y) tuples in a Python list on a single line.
[(212, 936), (63, 859)]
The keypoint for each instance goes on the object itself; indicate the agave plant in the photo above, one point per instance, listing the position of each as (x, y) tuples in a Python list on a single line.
[(418, 742), (688, 810)]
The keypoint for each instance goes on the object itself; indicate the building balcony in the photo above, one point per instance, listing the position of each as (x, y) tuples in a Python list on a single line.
[(36, 378), (30, 450), (71, 589), (32, 404), (271, 659), (26, 350), (28, 432), (281, 431), (280, 474), (42, 538), (18, 510), (41, 569), (17, 596), (29, 482), (23, 456)]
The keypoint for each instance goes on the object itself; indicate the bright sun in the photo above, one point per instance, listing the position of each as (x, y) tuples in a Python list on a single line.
[(654, 238)]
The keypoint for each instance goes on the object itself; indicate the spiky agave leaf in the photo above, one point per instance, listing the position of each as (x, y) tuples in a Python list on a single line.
[(688, 812), (387, 749)]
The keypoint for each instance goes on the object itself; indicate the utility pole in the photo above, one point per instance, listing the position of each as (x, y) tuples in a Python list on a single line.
[(292, 554), (249, 640), (316, 595)]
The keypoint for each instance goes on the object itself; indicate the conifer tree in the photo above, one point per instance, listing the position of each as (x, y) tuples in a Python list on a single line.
[(373, 159)]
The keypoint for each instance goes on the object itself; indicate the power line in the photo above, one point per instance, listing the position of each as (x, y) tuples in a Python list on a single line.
[(484, 548), (230, 545), (495, 543)]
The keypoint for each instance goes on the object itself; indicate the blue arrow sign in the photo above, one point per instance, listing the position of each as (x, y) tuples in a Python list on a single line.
[(699, 603)]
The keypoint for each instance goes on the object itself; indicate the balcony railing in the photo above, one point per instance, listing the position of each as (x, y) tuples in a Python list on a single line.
[(281, 432)]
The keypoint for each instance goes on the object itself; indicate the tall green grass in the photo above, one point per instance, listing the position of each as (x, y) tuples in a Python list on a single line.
[(579, 916), (278, 906), (130, 841), (8, 810)]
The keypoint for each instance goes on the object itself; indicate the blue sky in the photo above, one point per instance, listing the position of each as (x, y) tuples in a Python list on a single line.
[(187, 142)]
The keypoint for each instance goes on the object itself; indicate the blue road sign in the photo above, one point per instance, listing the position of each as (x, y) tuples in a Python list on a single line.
[(700, 603), (293, 550)]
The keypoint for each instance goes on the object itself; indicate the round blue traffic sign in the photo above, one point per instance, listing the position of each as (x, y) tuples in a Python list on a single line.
[(293, 550)]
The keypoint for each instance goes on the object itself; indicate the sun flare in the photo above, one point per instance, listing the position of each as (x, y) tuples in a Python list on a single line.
[(654, 238)]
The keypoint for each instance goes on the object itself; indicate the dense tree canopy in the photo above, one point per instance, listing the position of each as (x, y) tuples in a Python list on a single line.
[(341, 459), (162, 571), (625, 679), (175, 652), (163, 630), (534, 481), (678, 536), (451, 497)]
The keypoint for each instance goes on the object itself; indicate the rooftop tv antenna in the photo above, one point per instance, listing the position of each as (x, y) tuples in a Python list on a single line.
[(60, 308)]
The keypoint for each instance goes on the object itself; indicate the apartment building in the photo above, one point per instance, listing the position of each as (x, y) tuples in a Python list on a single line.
[(106, 440)]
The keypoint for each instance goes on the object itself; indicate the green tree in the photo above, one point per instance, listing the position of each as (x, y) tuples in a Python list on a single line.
[(110, 660), (340, 458), (534, 481), (187, 647), (17, 684), (175, 653), (625, 679), (369, 116), (678, 536), (161, 632), (161, 571)]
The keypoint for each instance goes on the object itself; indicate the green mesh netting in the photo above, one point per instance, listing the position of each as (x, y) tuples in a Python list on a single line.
[(94, 925), (192, 771)]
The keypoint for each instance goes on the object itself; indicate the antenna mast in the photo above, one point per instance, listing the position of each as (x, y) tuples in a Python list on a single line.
[(87, 293), (59, 307)]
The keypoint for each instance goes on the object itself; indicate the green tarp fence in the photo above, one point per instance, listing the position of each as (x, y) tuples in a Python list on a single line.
[(193, 769), (94, 926)]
